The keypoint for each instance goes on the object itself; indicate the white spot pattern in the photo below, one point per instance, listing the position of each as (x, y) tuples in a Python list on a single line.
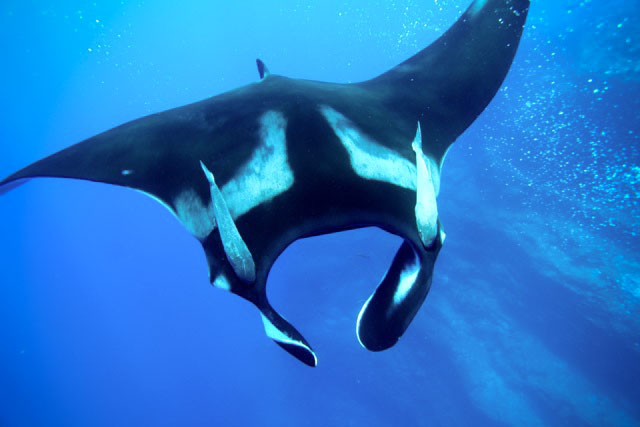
[(194, 215), (267, 174), (264, 176), (369, 159), (221, 282)]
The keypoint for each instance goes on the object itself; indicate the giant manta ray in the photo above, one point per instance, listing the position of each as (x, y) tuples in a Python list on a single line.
[(250, 171)]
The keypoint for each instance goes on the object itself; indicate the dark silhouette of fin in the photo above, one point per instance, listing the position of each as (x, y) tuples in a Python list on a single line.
[(262, 69), (285, 335), (386, 315), (450, 82), (10, 185)]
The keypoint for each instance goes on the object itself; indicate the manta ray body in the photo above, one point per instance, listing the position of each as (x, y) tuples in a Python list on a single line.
[(250, 171)]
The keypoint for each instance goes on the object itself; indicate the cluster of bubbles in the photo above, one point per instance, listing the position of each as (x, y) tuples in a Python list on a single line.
[(398, 28), (563, 136), (94, 22), (572, 132)]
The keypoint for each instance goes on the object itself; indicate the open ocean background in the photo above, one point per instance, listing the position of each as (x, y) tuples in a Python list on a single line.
[(106, 314)]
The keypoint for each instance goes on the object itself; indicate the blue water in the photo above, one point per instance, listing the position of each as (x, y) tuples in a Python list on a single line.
[(106, 314)]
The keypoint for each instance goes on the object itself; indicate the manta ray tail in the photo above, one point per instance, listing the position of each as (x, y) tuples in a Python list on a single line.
[(388, 312)]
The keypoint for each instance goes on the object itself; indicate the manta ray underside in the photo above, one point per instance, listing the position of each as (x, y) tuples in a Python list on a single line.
[(249, 171)]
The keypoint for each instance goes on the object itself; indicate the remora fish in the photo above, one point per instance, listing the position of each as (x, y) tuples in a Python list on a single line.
[(250, 171)]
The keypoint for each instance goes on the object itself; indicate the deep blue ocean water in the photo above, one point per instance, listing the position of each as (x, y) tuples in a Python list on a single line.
[(106, 314)]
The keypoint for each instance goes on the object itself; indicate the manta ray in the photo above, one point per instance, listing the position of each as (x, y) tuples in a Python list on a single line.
[(250, 171)]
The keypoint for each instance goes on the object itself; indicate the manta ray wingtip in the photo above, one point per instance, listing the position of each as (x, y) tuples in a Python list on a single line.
[(8, 185)]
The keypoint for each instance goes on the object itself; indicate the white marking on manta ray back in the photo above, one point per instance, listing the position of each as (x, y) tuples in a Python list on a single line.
[(221, 282), (263, 177), (190, 211), (194, 215), (370, 159), (267, 174)]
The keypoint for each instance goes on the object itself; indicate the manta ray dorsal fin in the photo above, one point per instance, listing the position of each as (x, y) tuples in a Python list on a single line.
[(426, 207), (262, 69), (235, 248)]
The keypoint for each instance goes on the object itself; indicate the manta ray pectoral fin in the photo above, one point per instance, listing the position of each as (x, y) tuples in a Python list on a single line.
[(263, 71), (388, 312), (235, 248), (427, 186), (286, 336)]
